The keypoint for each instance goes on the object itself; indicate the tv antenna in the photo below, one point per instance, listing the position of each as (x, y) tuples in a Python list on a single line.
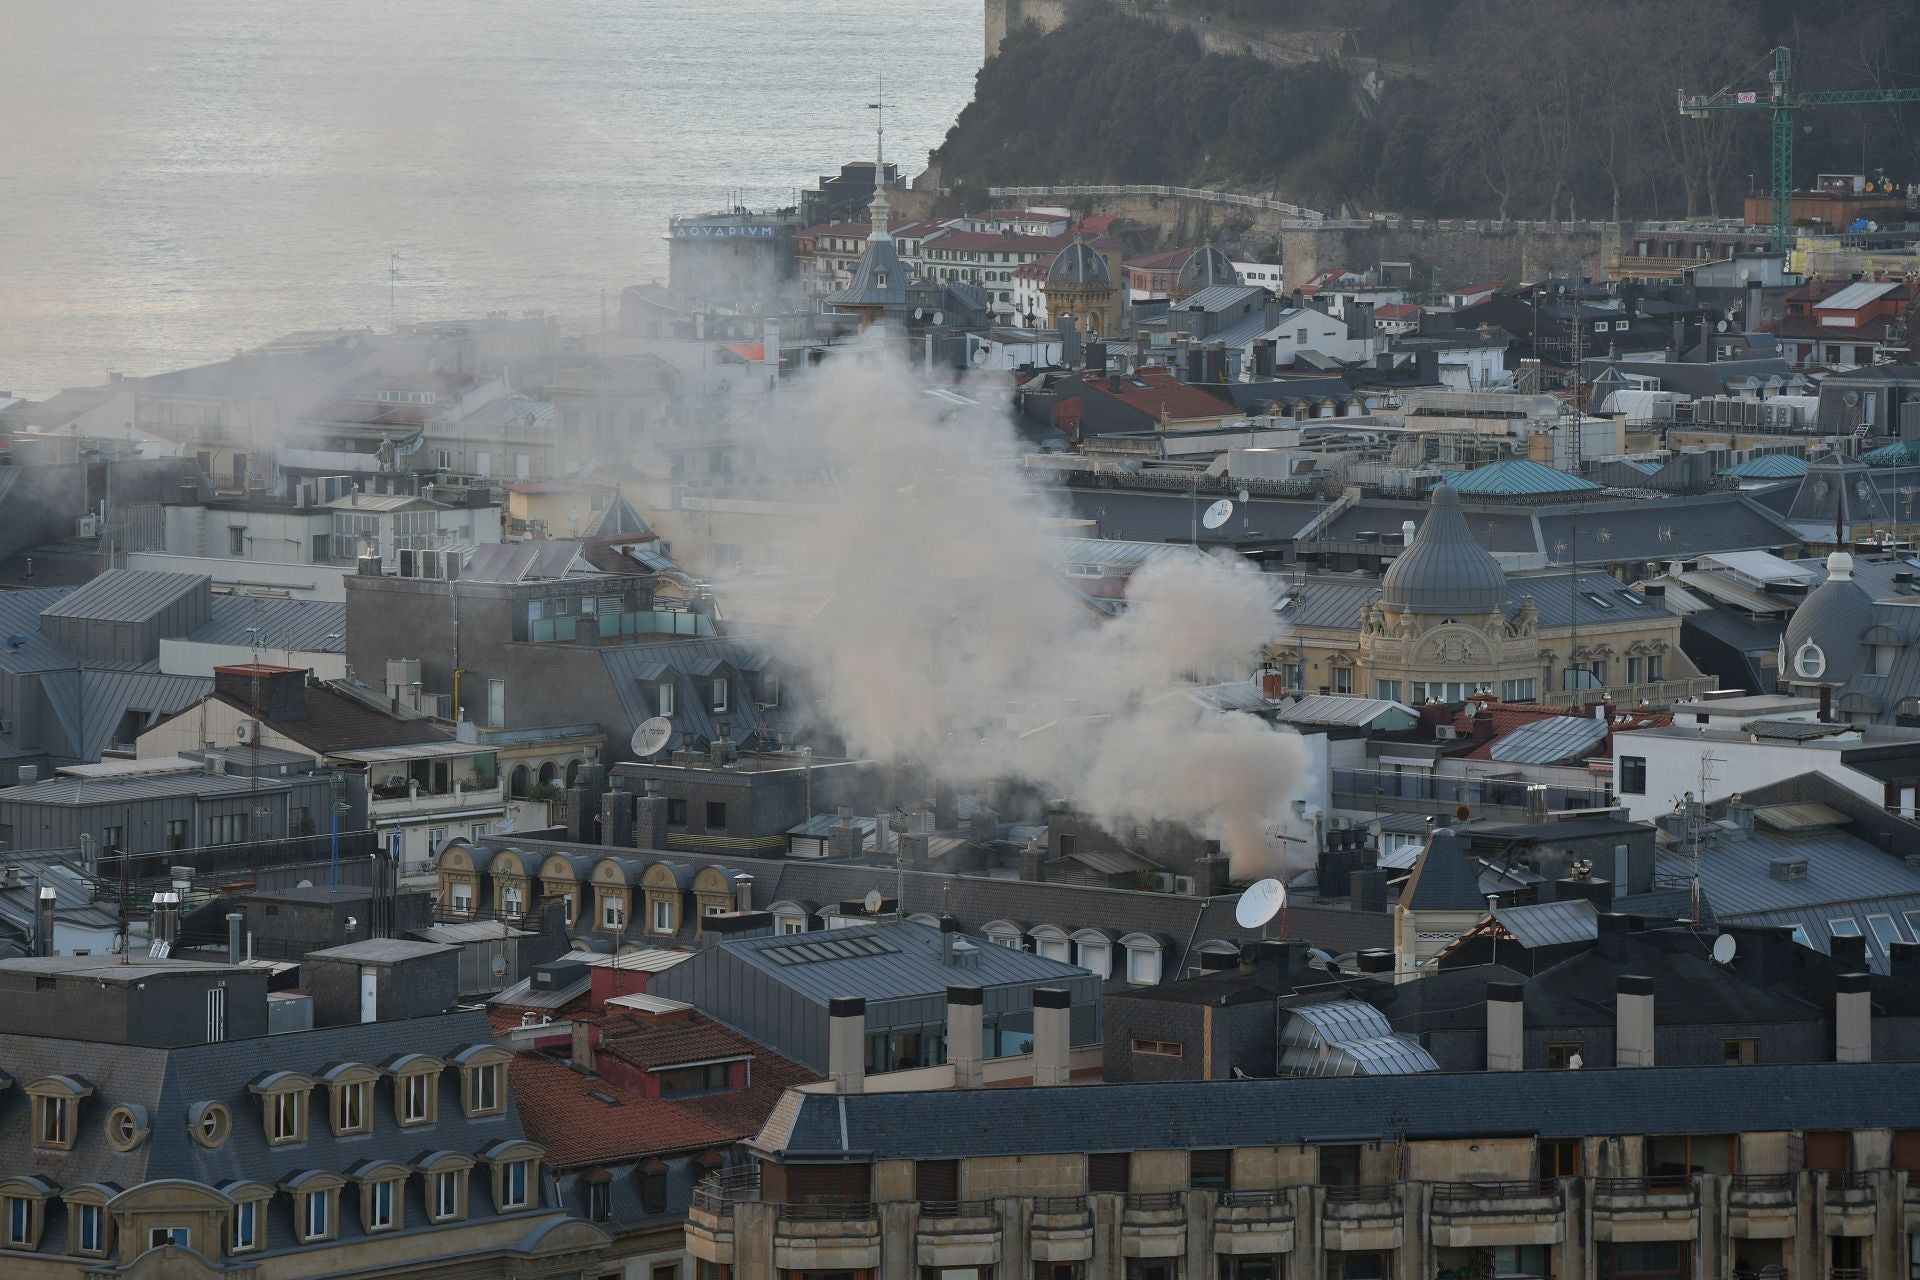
[(1218, 514), (1262, 901), (651, 736)]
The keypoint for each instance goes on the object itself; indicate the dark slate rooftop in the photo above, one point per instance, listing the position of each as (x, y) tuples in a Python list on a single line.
[(1242, 1113)]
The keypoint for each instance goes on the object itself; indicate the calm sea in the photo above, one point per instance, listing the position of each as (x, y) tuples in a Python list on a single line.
[(179, 179)]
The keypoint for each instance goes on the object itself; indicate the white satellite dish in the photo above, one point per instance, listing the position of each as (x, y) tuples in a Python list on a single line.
[(873, 902), (651, 736), (939, 318), (1218, 514), (1260, 903), (1724, 948)]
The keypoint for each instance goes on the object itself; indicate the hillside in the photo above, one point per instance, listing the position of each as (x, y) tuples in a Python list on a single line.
[(1519, 108)]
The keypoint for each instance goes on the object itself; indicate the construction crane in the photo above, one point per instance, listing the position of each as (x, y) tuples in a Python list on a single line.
[(1781, 99)]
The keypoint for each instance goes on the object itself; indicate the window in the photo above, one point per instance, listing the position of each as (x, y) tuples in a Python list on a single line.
[(446, 1195), (176, 834), (1844, 928), (1651, 1259), (1251, 1267), (351, 1113), (161, 1237), (210, 1123), (1143, 965), (236, 540), (1521, 1260), (1633, 775), (1885, 932), (314, 1216), (246, 1227), (19, 1220), (662, 916), (663, 698), (1343, 679), (684, 1082), (416, 1097), (1559, 1157), (461, 898), (1160, 1048), (90, 1233), (793, 924), (676, 813), (1560, 1054), (286, 1115), (1387, 690), (1210, 1170), (510, 900), (55, 1128), (613, 912), (1517, 690), (1740, 1053), (514, 1183), (1656, 668), (113, 839), (716, 815), (599, 1201), (719, 693), (486, 1098), (1633, 671)]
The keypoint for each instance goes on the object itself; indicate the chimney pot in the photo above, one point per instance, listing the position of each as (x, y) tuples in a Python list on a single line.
[(1052, 1035)]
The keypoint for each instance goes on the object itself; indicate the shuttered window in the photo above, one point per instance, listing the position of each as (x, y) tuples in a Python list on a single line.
[(1211, 1169), (936, 1181), (1109, 1172), (1826, 1151), (1906, 1150), (828, 1183)]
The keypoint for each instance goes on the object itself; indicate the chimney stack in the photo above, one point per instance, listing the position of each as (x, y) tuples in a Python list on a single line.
[(1853, 1018), (43, 920), (1052, 1035), (1903, 960), (1506, 1027), (1633, 1021), (743, 892), (583, 1047), (966, 1036), (847, 1044), (650, 819), (948, 927), (236, 922), (1849, 954), (1612, 940)]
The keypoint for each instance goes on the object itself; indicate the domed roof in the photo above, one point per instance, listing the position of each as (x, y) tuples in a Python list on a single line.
[(1205, 268), (1825, 640), (1079, 263), (1445, 570)]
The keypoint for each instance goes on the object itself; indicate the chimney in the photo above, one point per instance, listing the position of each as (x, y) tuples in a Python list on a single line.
[(1376, 962), (1196, 363), (847, 1043), (616, 818), (1033, 862), (743, 892), (948, 927), (843, 838), (1263, 363), (913, 850), (1097, 357), (1506, 1027), (1849, 954), (236, 922), (1633, 1021), (43, 921), (966, 1036), (1612, 942), (1052, 1035), (583, 1047), (1903, 961), (1853, 1018), (650, 819), (1595, 889)]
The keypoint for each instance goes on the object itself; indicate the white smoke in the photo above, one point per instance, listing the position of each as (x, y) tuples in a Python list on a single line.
[(949, 640)]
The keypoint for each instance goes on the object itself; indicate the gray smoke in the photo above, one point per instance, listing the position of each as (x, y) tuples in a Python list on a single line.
[(949, 640)]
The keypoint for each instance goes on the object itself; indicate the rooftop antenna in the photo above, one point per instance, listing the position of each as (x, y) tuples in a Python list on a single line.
[(393, 286), (879, 105), (1262, 901)]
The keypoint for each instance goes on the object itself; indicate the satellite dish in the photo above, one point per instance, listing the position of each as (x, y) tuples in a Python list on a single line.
[(919, 313), (1724, 948), (651, 736), (939, 318), (979, 355), (1720, 326), (1218, 514), (873, 902), (1260, 903)]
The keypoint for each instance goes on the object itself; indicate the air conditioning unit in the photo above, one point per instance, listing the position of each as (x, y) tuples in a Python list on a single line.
[(244, 733), (1445, 732), (1183, 885), (26, 773), (89, 526), (1164, 881)]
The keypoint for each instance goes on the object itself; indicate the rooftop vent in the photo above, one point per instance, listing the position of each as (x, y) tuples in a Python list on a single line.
[(1788, 868)]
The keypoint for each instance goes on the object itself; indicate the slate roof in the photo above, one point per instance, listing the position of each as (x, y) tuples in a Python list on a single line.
[(1446, 878), (912, 968), (1242, 1113), (284, 624), (1550, 924), (632, 669), (1444, 570), (1144, 517), (167, 1082)]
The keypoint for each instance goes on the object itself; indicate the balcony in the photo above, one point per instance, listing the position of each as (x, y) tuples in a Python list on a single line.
[(1762, 1206), (1154, 1225), (1362, 1218), (1253, 1222), (711, 1221), (1851, 1208), (1061, 1229), (1469, 1214), (962, 1233), (1637, 1209)]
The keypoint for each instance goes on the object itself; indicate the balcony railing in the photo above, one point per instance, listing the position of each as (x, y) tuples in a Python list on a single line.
[(1658, 1185), (828, 1211), (1495, 1190), (717, 1192), (1761, 1183), (956, 1209), (1252, 1199), (1059, 1206), (1850, 1180), (1360, 1194), (1155, 1201), (1418, 785)]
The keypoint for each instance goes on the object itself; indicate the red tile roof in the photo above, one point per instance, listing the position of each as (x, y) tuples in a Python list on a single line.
[(1396, 311), (337, 722), (1156, 391), (583, 1119), (652, 1046), (1171, 260)]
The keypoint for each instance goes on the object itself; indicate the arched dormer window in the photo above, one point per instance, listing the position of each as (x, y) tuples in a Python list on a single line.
[(56, 1110), (283, 1100)]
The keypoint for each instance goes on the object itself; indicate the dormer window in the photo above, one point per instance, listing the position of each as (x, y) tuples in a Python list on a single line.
[(516, 1174), (1809, 661), (25, 1201), (446, 1178), (350, 1087), (416, 1088), (283, 1099), (483, 1080), (720, 693), (316, 1204), (56, 1110)]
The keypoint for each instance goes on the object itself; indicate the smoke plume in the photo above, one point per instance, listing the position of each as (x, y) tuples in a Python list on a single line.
[(948, 638)]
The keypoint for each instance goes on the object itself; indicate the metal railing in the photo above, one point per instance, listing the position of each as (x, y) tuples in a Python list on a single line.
[(1678, 1184), (1060, 1205), (1761, 1183), (1850, 1180), (1155, 1201), (1360, 1193), (1494, 1190), (957, 1209), (828, 1211), (1252, 1199), (1422, 786), (717, 1192)]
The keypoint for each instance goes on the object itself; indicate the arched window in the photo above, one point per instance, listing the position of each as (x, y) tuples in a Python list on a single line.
[(548, 772), (520, 779)]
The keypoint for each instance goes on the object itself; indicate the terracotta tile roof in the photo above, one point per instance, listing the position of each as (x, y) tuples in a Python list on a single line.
[(1154, 390), (336, 722), (583, 1119), (1171, 260), (651, 1046)]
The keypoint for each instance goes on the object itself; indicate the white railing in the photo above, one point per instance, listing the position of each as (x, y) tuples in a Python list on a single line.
[(1299, 212)]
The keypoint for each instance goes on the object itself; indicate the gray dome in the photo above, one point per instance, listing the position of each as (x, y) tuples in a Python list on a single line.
[(1445, 570), (1825, 640), (1078, 263), (1205, 268)]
